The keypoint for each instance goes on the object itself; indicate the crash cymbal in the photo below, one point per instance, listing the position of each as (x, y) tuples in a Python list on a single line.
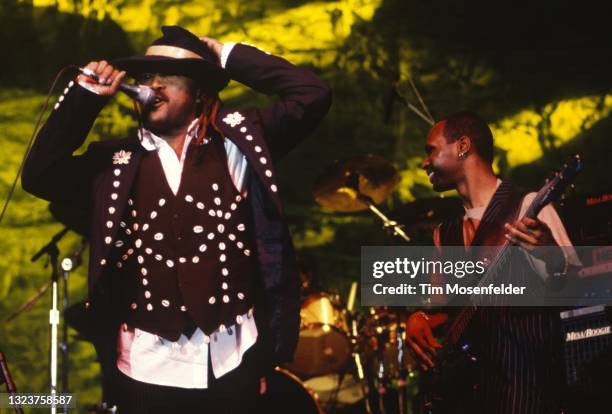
[(346, 185), (73, 218)]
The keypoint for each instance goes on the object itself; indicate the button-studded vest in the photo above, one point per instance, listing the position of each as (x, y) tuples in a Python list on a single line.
[(187, 257)]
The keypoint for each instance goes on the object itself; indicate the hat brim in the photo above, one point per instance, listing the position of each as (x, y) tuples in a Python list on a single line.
[(211, 77)]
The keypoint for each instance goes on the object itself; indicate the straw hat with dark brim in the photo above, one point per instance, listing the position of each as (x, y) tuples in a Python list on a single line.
[(179, 52)]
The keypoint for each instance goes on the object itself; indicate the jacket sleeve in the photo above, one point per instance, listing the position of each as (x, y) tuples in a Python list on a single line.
[(304, 98), (51, 171)]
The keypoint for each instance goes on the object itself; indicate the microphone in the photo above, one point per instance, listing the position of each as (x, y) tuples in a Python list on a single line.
[(143, 94)]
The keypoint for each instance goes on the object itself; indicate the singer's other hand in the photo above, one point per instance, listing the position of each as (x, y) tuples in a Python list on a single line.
[(109, 78)]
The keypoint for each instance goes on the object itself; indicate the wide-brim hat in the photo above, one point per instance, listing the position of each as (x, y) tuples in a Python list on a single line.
[(178, 52)]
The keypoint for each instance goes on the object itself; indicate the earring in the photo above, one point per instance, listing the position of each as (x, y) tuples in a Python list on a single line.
[(462, 155)]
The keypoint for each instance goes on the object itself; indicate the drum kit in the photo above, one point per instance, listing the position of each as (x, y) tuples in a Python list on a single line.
[(348, 361)]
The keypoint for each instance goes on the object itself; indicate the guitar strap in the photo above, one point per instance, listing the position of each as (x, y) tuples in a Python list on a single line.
[(503, 208)]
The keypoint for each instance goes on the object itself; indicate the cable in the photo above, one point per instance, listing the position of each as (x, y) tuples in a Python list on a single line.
[(45, 105)]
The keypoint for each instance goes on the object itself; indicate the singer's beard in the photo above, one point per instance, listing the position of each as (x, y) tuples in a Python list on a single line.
[(166, 119)]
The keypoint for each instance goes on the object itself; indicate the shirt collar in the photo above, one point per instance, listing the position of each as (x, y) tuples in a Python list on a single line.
[(152, 142)]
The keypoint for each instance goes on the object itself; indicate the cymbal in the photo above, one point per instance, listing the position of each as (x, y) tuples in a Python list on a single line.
[(342, 186), (73, 218)]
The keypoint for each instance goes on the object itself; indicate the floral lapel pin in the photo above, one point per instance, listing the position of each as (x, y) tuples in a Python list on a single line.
[(122, 157), (233, 119)]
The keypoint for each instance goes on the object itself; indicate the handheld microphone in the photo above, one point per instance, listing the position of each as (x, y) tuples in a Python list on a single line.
[(143, 94)]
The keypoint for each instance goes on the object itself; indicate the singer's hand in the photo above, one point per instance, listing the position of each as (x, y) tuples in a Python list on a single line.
[(214, 45), (110, 78)]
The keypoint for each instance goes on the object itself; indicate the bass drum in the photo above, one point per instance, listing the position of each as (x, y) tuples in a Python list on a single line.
[(323, 346), (287, 394)]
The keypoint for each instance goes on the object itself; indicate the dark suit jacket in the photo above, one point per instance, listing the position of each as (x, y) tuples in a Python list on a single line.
[(101, 178)]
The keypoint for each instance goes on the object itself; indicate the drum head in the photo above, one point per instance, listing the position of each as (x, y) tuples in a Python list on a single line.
[(287, 394)]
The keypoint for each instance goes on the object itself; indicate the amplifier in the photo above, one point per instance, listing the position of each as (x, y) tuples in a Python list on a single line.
[(587, 339)]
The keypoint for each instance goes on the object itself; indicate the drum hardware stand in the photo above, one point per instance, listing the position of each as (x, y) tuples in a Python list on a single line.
[(5, 376), (358, 365)]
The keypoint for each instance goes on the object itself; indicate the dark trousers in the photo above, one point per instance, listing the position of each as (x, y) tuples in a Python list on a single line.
[(235, 392)]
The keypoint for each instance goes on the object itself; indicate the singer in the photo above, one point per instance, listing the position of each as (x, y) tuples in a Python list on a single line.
[(192, 276)]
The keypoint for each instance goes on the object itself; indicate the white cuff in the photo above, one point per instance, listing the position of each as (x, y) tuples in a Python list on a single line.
[(225, 52), (88, 86)]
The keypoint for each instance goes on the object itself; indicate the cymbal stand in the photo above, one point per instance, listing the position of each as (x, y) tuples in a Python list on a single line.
[(398, 229)]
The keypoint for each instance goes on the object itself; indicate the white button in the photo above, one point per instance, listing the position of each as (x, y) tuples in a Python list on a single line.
[(56, 106), (119, 265), (158, 236), (158, 257), (144, 271), (145, 282), (161, 202), (238, 198), (219, 213), (111, 210), (225, 298), (165, 303), (257, 148), (198, 229), (182, 259), (133, 306), (188, 198), (233, 206), (215, 186), (224, 286), (239, 319), (108, 240), (130, 251), (222, 258), (128, 231), (263, 160), (124, 257), (211, 213), (183, 308), (114, 196), (135, 226), (117, 172), (66, 89), (268, 173), (274, 188), (122, 223), (202, 248), (103, 262), (212, 300), (153, 214), (247, 252), (109, 224), (195, 259), (148, 250), (145, 227), (221, 246), (249, 138), (119, 243), (232, 237), (200, 205), (240, 227), (138, 242), (243, 129), (134, 213), (227, 216), (224, 272), (130, 202), (149, 307), (147, 294), (116, 184), (240, 295), (211, 236), (70, 84), (61, 98), (140, 259), (169, 263), (240, 245), (206, 339), (220, 228), (217, 201)]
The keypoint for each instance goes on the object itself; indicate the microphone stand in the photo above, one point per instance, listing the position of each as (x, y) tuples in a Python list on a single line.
[(53, 252)]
